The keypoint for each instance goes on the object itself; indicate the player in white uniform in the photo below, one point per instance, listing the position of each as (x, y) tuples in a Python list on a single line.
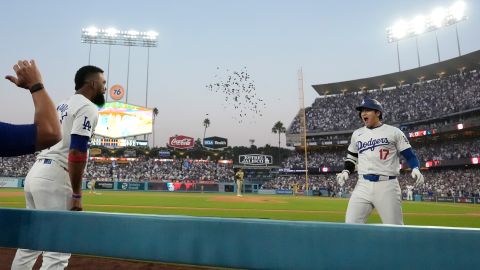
[(409, 192), (55, 180), (374, 149)]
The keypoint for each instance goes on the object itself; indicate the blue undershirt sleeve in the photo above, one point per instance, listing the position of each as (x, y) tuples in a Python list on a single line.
[(17, 140), (79, 142), (411, 158)]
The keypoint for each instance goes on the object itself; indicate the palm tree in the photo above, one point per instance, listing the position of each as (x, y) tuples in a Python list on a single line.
[(279, 128), (155, 113), (206, 124)]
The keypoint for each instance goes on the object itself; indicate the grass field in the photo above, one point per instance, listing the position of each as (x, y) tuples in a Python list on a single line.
[(281, 207)]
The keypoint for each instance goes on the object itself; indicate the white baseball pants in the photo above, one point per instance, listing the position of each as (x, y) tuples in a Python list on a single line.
[(47, 187), (385, 196)]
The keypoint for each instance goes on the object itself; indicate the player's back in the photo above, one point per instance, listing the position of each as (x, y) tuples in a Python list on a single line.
[(77, 115)]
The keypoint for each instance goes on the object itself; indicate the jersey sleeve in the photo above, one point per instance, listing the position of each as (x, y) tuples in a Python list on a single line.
[(402, 142), (17, 139), (85, 121), (353, 145)]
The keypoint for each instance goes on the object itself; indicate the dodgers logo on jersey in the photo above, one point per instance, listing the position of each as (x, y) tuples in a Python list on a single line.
[(371, 144)]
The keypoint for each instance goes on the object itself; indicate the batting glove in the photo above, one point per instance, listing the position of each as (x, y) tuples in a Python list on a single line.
[(342, 177), (417, 175)]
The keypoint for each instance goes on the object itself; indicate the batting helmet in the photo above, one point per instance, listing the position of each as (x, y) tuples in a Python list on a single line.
[(371, 103)]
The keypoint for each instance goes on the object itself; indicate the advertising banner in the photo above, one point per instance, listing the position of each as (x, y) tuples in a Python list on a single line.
[(215, 142), (8, 182), (267, 191), (445, 199), (103, 185), (117, 92), (284, 191), (255, 159), (176, 186), (464, 200), (130, 186), (428, 198), (181, 142)]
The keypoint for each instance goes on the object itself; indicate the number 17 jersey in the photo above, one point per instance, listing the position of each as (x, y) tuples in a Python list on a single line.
[(77, 115), (378, 149)]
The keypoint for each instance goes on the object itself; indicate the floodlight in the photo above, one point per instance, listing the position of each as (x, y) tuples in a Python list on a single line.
[(418, 25), (457, 10), (399, 29), (438, 17), (112, 36), (151, 35), (132, 33), (111, 32), (91, 31)]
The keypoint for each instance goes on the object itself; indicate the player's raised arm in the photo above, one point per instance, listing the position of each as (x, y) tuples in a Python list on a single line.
[(46, 128)]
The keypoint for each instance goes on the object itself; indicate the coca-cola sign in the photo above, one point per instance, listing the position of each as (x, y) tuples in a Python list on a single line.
[(181, 142)]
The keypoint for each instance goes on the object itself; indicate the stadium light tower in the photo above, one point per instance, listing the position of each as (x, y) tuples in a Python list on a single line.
[(439, 18), (112, 36)]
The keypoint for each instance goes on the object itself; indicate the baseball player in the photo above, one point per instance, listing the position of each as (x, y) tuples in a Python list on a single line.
[(55, 180), (45, 130), (374, 149), (409, 192), (239, 178)]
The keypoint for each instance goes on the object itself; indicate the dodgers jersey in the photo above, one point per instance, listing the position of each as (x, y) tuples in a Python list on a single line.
[(78, 115), (378, 149)]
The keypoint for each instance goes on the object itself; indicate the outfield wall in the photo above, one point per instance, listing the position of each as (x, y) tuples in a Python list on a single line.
[(241, 243), (17, 182)]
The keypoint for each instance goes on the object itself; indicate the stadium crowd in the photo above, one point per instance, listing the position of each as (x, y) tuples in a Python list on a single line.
[(153, 170), (444, 183), (402, 104), (447, 182), (139, 170), (438, 151)]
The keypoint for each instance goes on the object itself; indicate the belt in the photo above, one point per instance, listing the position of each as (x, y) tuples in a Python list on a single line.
[(50, 161), (376, 178)]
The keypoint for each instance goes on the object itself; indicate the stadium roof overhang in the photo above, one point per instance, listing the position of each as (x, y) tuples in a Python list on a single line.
[(469, 61)]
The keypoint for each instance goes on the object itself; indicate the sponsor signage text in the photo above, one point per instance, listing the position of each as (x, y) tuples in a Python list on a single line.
[(255, 159), (181, 142), (215, 142)]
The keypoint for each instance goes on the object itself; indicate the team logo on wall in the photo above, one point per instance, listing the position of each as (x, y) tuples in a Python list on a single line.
[(215, 142), (255, 159), (117, 92), (181, 142)]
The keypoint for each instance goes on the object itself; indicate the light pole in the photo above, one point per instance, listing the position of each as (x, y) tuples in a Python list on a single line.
[(398, 57), (128, 74), (458, 40), (112, 36), (439, 18), (418, 53), (438, 47)]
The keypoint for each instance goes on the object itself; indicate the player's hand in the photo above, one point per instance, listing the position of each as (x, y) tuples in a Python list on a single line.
[(342, 177), (417, 175), (27, 74), (76, 204)]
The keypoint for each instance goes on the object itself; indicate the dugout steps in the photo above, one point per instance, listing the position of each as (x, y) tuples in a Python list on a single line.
[(241, 243)]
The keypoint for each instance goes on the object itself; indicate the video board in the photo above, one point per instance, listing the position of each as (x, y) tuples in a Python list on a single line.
[(119, 120)]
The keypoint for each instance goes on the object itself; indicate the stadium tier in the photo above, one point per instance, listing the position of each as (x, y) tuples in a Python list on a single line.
[(407, 103)]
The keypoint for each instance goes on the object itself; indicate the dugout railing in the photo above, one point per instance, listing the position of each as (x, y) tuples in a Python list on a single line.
[(241, 243)]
